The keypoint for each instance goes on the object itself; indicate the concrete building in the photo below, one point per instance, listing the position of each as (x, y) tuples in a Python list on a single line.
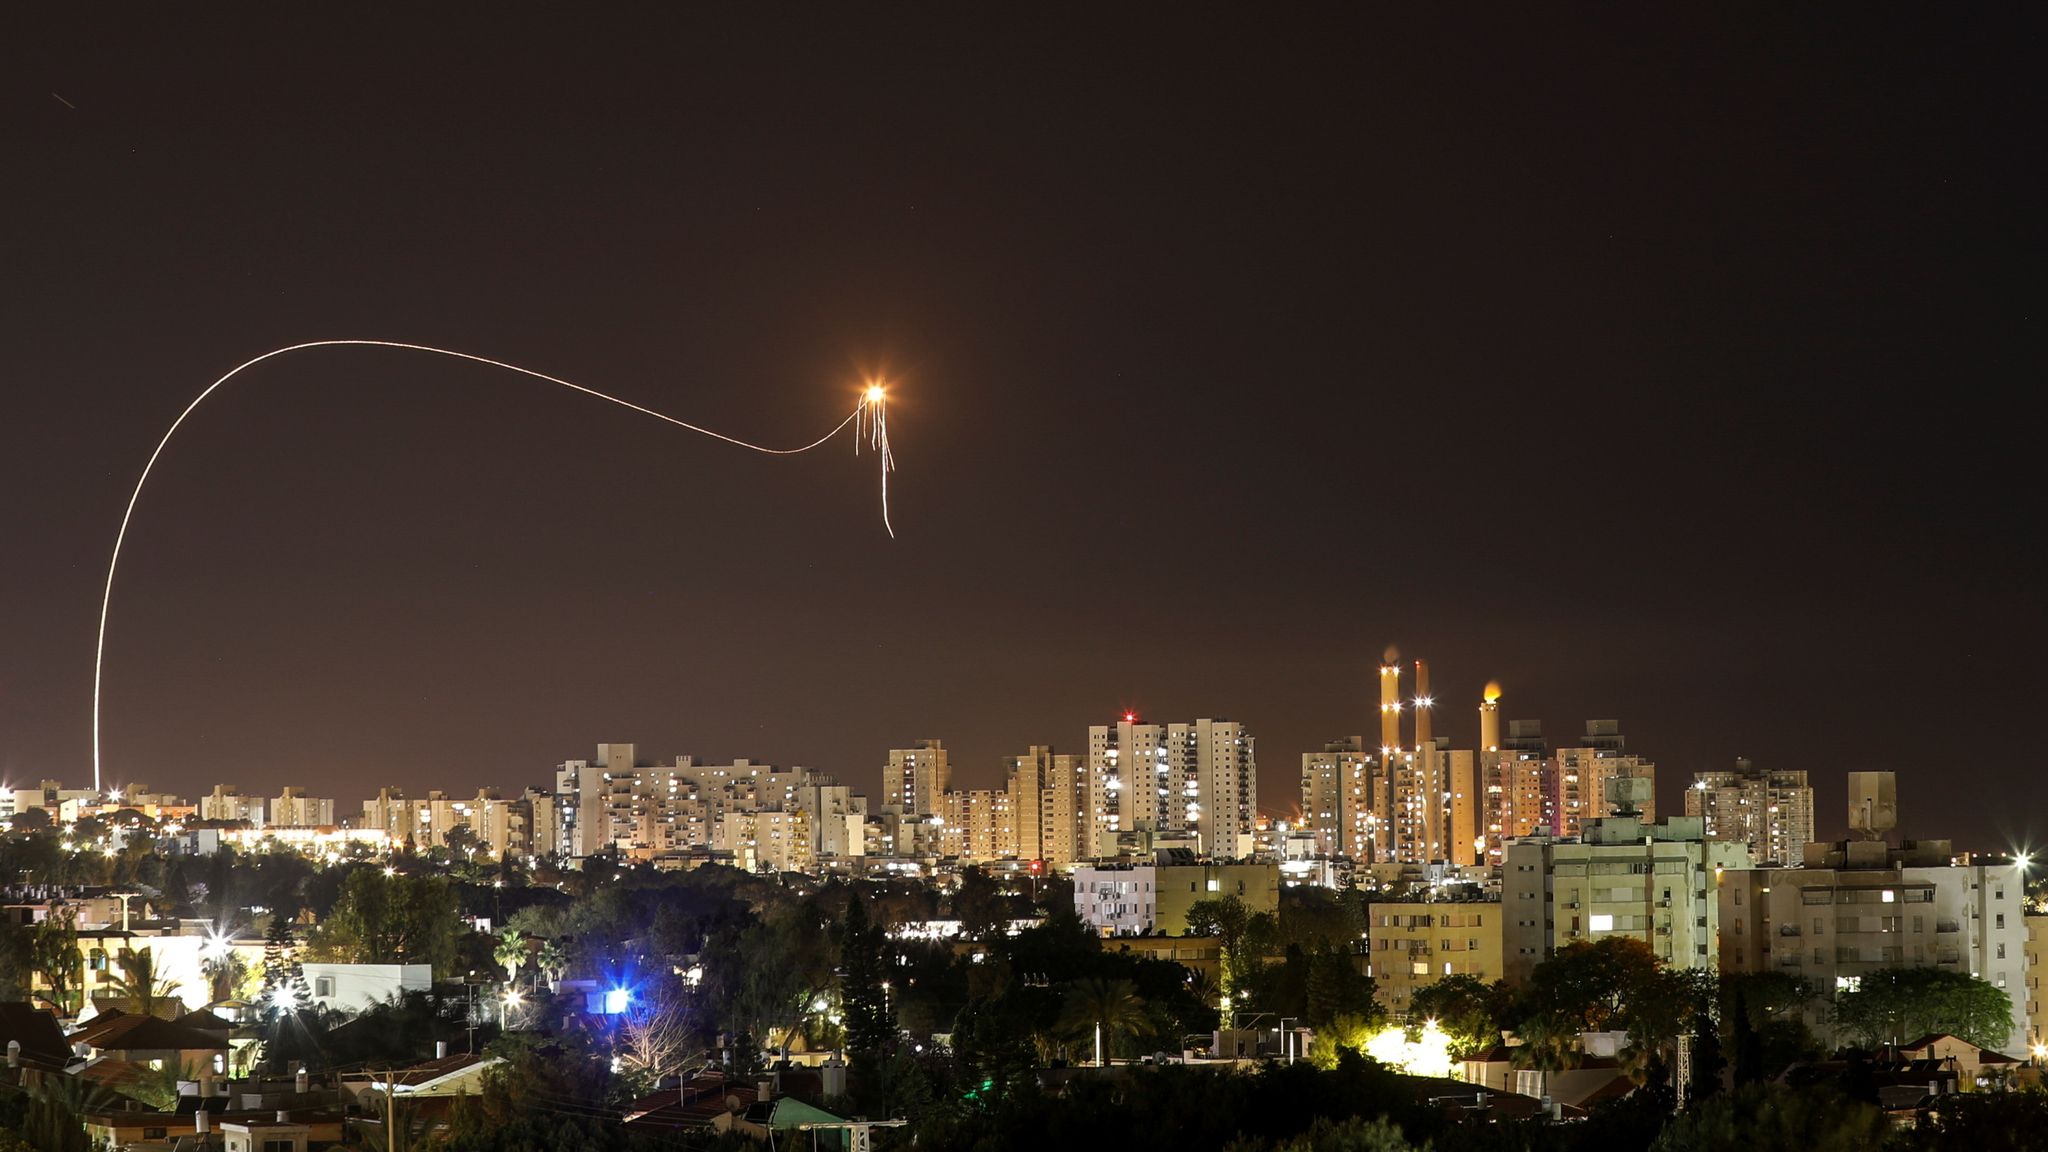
[(1655, 883), (1862, 905), (977, 826), (50, 796), (1194, 781), (354, 987), (836, 817), (295, 809), (489, 823), (226, 802), (1769, 811), (916, 778), (1512, 775), (1144, 899), (614, 802), (1411, 945), (767, 839), (1338, 801), (1048, 802), (1577, 783), (2036, 1016)]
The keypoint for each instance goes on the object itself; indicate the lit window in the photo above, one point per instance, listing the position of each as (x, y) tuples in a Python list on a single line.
[(1601, 922)]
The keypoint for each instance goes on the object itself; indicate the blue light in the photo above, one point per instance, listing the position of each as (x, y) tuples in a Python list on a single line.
[(616, 999)]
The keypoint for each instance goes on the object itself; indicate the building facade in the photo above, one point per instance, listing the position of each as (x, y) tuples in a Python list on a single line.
[(1861, 906), (1143, 899), (1412, 945), (1769, 811), (1656, 883)]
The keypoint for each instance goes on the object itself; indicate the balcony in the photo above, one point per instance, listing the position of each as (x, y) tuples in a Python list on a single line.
[(1788, 930), (1947, 926)]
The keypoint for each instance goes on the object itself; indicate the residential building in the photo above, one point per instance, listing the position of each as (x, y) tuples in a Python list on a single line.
[(2037, 1015), (1048, 805), (1512, 778), (1195, 781), (354, 987), (1860, 906), (1143, 899), (614, 802), (836, 816), (488, 823), (1411, 945), (1339, 804), (226, 802), (1770, 811), (1655, 883), (294, 809), (916, 777), (1577, 784), (50, 796), (977, 826)]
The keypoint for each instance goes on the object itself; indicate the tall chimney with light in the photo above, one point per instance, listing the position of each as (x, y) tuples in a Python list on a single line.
[(1489, 719), (1424, 705), (1390, 704)]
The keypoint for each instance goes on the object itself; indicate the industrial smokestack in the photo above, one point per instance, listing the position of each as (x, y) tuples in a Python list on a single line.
[(1489, 719), (1423, 704), (1390, 704)]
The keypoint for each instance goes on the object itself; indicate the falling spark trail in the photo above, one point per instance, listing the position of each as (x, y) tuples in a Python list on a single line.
[(869, 417)]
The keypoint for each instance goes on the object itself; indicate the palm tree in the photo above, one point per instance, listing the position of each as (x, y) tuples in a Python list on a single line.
[(1106, 1009), (225, 971), (552, 960), (511, 953), (135, 978), (1635, 1060), (1547, 1046)]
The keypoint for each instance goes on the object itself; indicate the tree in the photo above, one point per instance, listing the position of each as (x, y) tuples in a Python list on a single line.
[(380, 919), (225, 971), (1351, 1134), (54, 955), (1892, 1005), (1336, 987), (1112, 1006), (552, 958), (1707, 1061), (135, 979), (284, 979), (654, 1034), (1548, 1045), (1588, 985), (870, 1028), (979, 905), (1772, 1118), (511, 953), (16, 960), (1465, 1008)]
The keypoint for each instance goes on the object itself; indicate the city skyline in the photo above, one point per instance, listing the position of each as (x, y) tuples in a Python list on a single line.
[(1652, 386)]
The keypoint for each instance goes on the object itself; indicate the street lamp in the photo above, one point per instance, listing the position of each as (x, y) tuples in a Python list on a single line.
[(1287, 1036)]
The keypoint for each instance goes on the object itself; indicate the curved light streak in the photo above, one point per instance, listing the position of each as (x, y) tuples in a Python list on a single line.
[(869, 418)]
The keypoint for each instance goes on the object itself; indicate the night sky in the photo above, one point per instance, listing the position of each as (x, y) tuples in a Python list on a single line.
[(1664, 366)]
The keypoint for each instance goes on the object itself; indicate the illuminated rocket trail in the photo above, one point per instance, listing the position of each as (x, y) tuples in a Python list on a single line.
[(870, 420)]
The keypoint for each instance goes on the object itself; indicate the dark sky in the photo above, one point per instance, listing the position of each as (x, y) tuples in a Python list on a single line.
[(1664, 366)]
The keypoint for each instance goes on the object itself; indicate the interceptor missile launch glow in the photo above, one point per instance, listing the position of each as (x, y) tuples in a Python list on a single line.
[(869, 418)]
